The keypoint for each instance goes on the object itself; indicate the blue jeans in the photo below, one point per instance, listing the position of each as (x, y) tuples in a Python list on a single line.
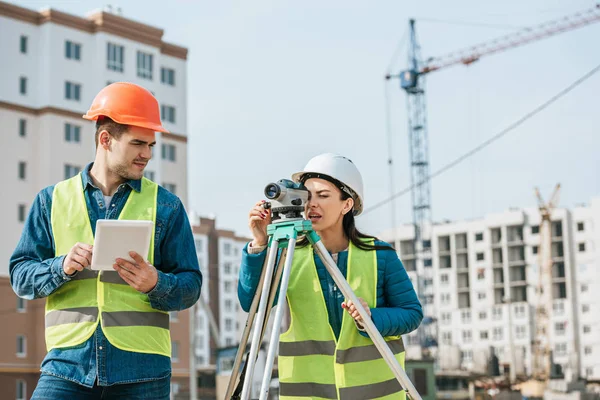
[(50, 387)]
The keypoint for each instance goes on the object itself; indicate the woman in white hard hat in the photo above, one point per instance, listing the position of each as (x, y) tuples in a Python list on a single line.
[(325, 353)]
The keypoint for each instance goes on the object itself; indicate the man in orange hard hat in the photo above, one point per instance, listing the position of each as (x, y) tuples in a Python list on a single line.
[(107, 333)]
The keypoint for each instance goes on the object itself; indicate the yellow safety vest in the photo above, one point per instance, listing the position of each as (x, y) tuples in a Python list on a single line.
[(74, 310), (312, 364)]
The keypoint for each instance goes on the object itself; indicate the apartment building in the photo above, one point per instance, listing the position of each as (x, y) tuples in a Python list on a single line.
[(481, 281), (53, 64)]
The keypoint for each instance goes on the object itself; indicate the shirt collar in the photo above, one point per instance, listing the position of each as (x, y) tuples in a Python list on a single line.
[(134, 184)]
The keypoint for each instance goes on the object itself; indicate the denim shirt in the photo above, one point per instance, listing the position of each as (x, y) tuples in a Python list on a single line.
[(35, 273)]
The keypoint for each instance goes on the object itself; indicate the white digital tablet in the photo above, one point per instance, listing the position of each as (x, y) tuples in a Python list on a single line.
[(115, 238)]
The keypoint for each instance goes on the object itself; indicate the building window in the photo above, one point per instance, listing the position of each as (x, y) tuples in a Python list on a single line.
[(589, 372), (21, 346), (149, 175), (483, 335), (174, 351), (174, 316), (535, 229), (114, 57), (24, 42), (520, 331), (144, 65), (482, 315), (497, 313), (72, 91), (534, 249), (175, 387), (587, 329), (22, 170), (22, 127), (480, 256), (480, 274), (447, 338), (560, 349), (465, 316), (170, 187), (167, 76), (227, 287), (71, 170), (519, 311), (466, 355), (558, 308), (479, 236), (227, 249), (445, 298), (168, 113), (21, 305), (498, 333), (588, 350), (168, 152), (444, 279), (198, 245), (581, 247), (467, 336), (21, 390), (481, 296), (228, 305), (23, 85), (559, 328), (585, 308), (72, 50), (227, 268), (72, 133), (584, 288), (427, 262), (228, 324), (22, 212), (446, 318), (580, 227)]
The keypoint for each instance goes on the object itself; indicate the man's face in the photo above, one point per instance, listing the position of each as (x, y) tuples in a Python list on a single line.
[(130, 153)]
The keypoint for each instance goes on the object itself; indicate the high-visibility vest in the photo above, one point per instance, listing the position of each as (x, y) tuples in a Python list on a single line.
[(312, 363), (75, 309)]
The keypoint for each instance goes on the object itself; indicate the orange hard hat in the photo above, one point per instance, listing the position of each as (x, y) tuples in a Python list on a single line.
[(128, 104)]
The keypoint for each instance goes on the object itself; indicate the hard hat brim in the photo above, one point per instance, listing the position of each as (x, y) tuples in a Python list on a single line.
[(129, 120)]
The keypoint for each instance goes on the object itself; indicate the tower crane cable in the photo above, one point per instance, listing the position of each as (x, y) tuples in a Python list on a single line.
[(491, 140)]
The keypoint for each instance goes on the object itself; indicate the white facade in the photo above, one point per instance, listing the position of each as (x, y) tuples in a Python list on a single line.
[(483, 269), (202, 350), (586, 239), (38, 76), (230, 257), (222, 305)]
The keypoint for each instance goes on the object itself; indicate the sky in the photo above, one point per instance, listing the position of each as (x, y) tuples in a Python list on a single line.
[(274, 83)]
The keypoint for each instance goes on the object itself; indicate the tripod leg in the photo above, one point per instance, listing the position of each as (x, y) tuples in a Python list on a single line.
[(242, 348), (274, 342), (374, 334), (261, 315), (245, 334)]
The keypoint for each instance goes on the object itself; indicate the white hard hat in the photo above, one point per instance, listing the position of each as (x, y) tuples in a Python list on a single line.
[(339, 168)]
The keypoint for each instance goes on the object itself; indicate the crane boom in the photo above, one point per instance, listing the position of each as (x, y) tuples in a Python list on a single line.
[(527, 35)]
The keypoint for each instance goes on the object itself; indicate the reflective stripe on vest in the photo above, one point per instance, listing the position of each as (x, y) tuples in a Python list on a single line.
[(311, 363), (75, 309)]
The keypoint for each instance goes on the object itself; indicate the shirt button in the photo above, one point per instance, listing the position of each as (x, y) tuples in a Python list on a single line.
[(113, 205), (100, 348)]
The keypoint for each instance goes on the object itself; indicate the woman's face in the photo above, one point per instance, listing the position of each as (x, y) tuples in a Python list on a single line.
[(325, 207)]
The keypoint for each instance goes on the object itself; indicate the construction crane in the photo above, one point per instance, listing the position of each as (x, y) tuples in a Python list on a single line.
[(541, 342), (412, 80)]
